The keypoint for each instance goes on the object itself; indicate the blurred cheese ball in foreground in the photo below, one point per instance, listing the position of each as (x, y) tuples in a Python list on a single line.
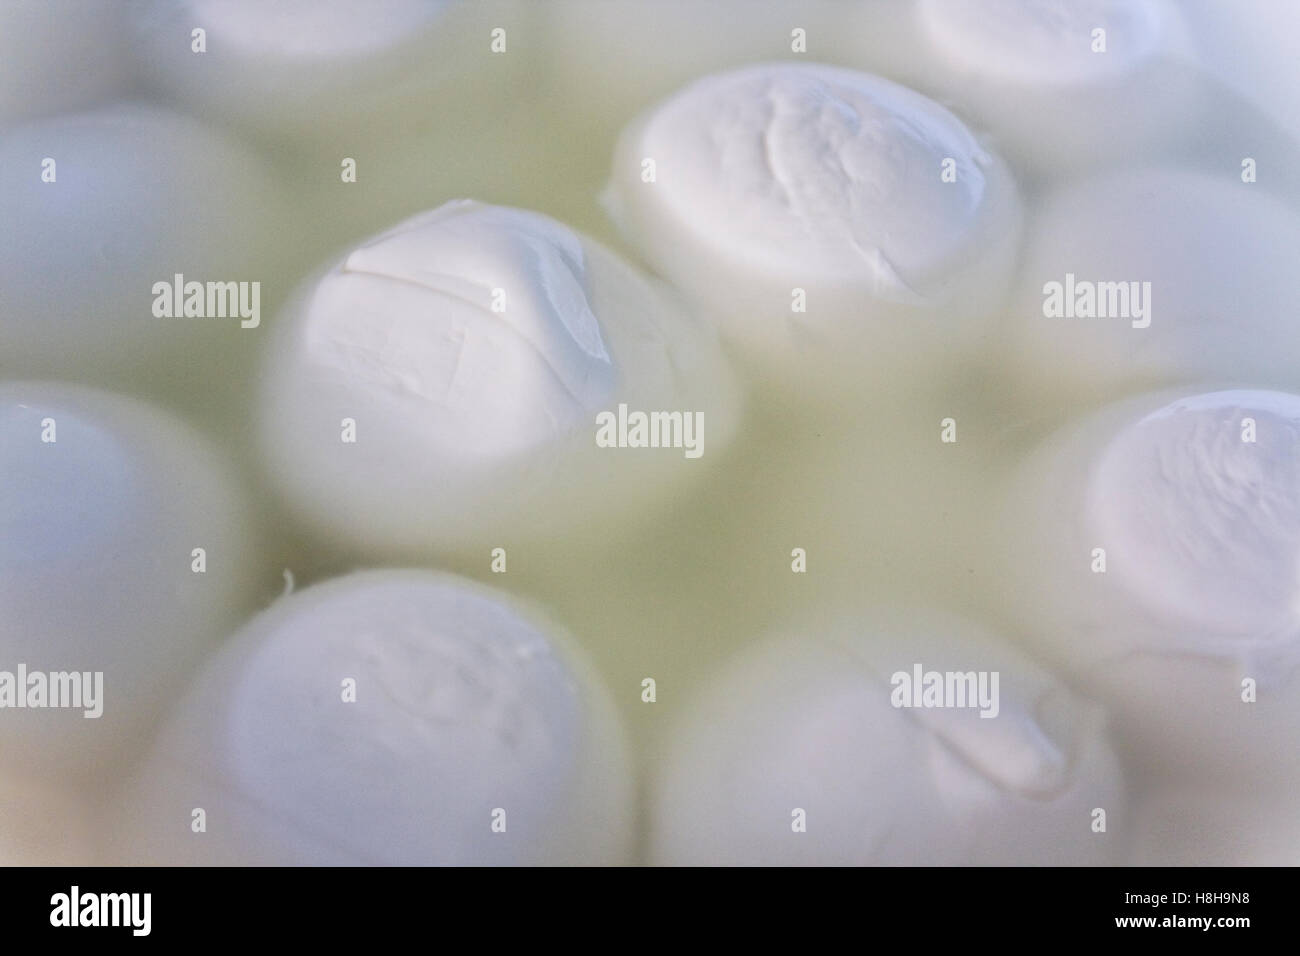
[(104, 503), (1153, 550), (1155, 276), (394, 718), (806, 729), (101, 206), (58, 55), (302, 67), (1061, 83), (820, 213), (445, 386)]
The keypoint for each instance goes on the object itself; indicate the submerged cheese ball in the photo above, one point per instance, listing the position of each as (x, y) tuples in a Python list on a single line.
[(103, 503), (811, 207), (387, 717), (801, 754), (311, 66), (99, 207), (1154, 550), (1155, 276), (440, 386), (1045, 41), (1062, 83)]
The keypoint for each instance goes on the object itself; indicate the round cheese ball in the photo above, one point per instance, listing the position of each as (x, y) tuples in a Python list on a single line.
[(388, 717), (100, 208), (454, 383), (307, 68), (811, 749), (1151, 549), (1064, 84), (127, 548), (821, 215)]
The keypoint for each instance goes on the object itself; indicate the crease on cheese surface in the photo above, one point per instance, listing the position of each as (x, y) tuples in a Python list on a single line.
[(411, 312), (820, 171)]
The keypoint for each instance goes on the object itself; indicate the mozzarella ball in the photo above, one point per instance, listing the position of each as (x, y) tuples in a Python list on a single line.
[(101, 206), (1063, 84), (645, 51), (441, 386), (1154, 276), (104, 503), (388, 717), (1152, 551), (817, 212), (58, 55), (811, 730), (302, 67)]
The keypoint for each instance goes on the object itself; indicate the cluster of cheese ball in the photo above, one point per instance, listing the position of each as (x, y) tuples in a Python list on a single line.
[(366, 585)]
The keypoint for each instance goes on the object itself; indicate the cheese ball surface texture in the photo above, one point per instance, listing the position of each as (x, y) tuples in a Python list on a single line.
[(467, 353), (807, 729), (391, 718), (1153, 548), (809, 208)]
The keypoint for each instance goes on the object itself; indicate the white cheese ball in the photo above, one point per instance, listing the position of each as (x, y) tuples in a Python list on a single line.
[(1209, 258), (1056, 93), (103, 501), (1192, 499), (807, 723), (469, 352), (138, 195), (308, 67), (58, 55), (749, 185), (390, 717)]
